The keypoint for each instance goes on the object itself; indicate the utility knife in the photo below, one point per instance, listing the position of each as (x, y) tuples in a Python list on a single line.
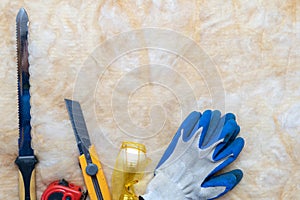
[(93, 174), (26, 160)]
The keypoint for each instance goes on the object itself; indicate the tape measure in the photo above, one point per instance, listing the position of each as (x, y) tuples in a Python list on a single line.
[(62, 190)]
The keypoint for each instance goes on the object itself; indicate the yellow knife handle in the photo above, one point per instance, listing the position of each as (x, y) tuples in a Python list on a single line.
[(100, 176), (26, 166)]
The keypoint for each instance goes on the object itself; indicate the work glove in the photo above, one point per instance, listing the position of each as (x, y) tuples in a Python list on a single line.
[(203, 145)]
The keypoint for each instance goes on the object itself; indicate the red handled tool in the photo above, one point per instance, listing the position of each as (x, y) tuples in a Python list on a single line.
[(62, 190)]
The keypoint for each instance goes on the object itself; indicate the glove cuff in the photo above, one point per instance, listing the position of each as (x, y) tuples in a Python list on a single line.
[(161, 187)]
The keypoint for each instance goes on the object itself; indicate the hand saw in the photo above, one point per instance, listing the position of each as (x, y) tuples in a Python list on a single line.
[(90, 165), (26, 160)]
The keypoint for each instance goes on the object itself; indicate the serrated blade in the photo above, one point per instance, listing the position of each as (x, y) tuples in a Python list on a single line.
[(25, 148), (26, 160)]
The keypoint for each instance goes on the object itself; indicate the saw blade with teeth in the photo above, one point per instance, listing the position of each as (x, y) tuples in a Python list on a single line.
[(23, 84), (26, 160)]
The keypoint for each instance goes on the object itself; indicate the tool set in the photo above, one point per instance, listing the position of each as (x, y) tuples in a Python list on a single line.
[(203, 145)]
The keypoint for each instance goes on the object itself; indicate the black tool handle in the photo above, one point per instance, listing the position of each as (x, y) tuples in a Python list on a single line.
[(26, 166)]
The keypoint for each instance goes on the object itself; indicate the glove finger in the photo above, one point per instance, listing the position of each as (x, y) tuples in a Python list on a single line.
[(217, 186), (189, 126), (229, 116), (229, 133), (204, 122), (227, 141), (215, 128), (229, 154)]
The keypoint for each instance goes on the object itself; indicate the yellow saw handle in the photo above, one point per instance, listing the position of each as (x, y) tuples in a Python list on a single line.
[(26, 166), (22, 187), (99, 175)]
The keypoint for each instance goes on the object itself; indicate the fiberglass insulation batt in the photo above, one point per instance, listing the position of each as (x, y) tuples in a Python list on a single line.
[(139, 67)]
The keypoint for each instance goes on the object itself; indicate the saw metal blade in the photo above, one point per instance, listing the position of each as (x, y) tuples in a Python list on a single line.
[(22, 21)]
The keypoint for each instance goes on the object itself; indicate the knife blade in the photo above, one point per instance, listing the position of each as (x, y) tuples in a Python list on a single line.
[(26, 160), (91, 168)]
